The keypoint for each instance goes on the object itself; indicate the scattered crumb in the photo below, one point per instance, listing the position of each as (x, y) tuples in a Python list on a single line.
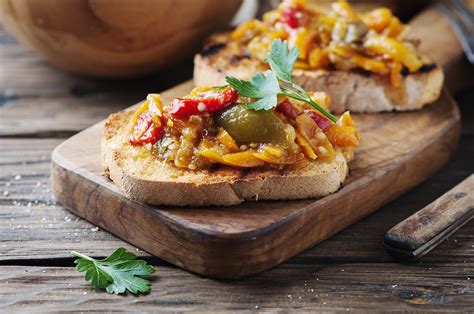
[(17, 177), (85, 292), (6, 193), (289, 296), (95, 229), (256, 306)]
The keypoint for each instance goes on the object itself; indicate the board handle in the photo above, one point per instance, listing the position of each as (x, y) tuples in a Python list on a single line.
[(424, 230)]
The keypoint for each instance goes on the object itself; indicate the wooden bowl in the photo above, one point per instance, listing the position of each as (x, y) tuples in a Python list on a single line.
[(115, 38)]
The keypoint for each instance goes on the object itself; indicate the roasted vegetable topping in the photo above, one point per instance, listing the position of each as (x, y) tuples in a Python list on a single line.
[(266, 121), (339, 38)]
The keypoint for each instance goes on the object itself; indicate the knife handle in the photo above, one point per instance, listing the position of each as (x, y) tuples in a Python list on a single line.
[(423, 231)]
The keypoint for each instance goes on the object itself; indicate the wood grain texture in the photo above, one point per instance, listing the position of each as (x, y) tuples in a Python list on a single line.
[(214, 241), (369, 281), (33, 225), (316, 287), (115, 38)]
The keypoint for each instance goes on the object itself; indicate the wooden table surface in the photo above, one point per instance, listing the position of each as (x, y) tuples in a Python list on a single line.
[(41, 106)]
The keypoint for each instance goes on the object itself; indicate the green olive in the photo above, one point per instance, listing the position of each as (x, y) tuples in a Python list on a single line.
[(249, 126)]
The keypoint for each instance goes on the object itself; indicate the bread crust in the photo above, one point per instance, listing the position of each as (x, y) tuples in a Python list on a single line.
[(148, 180), (349, 90)]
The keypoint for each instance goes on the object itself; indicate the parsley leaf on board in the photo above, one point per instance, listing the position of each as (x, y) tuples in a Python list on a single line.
[(282, 60), (264, 86), (117, 273)]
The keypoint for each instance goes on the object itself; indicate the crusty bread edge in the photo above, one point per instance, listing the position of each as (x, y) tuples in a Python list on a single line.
[(348, 90), (223, 193)]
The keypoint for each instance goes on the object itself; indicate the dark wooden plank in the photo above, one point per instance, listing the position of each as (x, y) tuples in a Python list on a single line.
[(29, 233), (341, 287)]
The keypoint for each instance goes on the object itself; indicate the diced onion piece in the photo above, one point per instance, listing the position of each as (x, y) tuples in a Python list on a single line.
[(321, 98), (343, 9), (142, 109), (155, 104)]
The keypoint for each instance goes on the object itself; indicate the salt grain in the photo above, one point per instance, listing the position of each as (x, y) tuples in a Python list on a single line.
[(17, 177), (6, 193)]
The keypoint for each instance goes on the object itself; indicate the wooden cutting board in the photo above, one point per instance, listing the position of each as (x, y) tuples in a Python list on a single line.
[(397, 152)]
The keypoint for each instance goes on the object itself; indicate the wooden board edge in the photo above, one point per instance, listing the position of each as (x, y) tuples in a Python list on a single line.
[(222, 250)]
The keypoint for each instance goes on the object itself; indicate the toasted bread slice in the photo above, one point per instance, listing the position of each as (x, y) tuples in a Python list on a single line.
[(144, 178), (349, 90)]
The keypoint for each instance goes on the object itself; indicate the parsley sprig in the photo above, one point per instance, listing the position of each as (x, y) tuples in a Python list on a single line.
[(117, 273), (265, 87)]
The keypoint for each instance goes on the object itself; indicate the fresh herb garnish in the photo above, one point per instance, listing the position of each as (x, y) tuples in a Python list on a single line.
[(116, 273), (266, 87)]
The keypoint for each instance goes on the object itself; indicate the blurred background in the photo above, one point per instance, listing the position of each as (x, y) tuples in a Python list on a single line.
[(123, 38)]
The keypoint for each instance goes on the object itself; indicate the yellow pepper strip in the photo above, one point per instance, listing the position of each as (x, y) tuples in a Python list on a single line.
[(365, 63), (142, 109), (395, 73), (308, 151), (272, 150), (378, 19), (318, 58), (248, 30), (346, 119), (301, 39), (394, 49), (212, 155), (394, 28), (243, 159), (225, 139)]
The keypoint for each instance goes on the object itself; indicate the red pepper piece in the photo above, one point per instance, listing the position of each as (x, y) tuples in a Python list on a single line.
[(295, 17), (288, 109), (321, 121), (147, 129), (204, 101)]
